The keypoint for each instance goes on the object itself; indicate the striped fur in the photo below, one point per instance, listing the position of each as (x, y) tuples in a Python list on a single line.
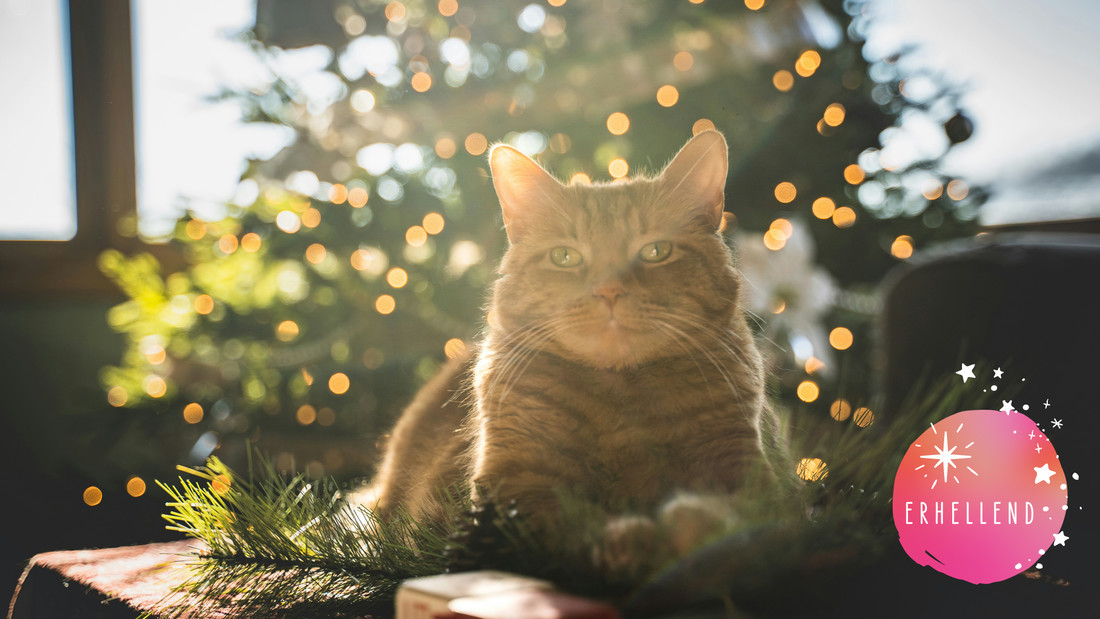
[(619, 382)]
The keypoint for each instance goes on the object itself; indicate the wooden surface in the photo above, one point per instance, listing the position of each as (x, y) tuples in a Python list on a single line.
[(112, 582)]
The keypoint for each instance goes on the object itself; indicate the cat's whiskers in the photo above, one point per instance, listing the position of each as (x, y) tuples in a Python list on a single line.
[(664, 317), (676, 335), (522, 346)]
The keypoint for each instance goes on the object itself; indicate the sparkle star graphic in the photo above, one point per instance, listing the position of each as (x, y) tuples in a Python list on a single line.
[(1043, 473), (1047, 403), (966, 371), (944, 457), (1060, 538), (1057, 423), (997, 373), (1006, 406)]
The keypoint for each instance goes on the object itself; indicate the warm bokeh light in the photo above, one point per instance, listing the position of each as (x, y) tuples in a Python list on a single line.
[(385, 304), (785, 192), (227, 244), (783, 80), (812, 469), (433, 223), (326, 416), (560, 143), (288, 221), (311, 218), (421, 81), (834, 115), (863, 417), (933, 190), (778, 306), (844, 217), (416, 236), (251, 242), (339, 383), (286, 330), (338, 194), (397, 277), (957, 189), (580, 178), (117, 396), (754, 5), (135, 486), (204, 304), (360, 260), (193, 413), (195, 229), (701, 125), (445, 148), (447, 8), (395, 11), (807, 63), (683, 61), (315, 253), (823, 208), (155, 386), (454, 347), (840, 409), (358, 197), (807, 391), (221, 483), (555, 2), (667, 95), (306, 414), (840, 338), (476, 144), (854, 174), (774, 240), (783, 228), (618, 168), (618, 123), (902, 247), (362, 100), (92, 496), (813, 365)]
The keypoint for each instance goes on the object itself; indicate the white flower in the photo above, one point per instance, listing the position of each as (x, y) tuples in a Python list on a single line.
[(788, 291)]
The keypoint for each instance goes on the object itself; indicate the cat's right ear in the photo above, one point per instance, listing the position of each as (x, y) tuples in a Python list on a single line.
[(525, 190)]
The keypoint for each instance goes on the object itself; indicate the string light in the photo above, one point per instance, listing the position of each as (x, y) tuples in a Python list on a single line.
[(288, 221), (618, 168), (251, 242), (155, 386), (306, 414), (701, 125), (785, 192), (395, 11), (315, 253), (339, 383), (783, 80), (812, 469), (421, 81), (447, 8), (840, 338), (807, 391), (92, 496), (754, 5), (864, 417), (834, 115), (338, 194), (416, 236), (117, 396), (204, 304), (193, 413), (683, 61), (844, 217), (311, 218), (195, 229), (397, 277), (667, 95), (618, 123), (135, 486), (385, 304), (840, 409), (358, 197), (774, 240), (286, 331), (854, 174), (445, 147), (580, 178), (227, 244), (902, 247), (807, 63), (433, 223), (957, 189), (933, 190), (476, 144), (454, 348), (823, 208)]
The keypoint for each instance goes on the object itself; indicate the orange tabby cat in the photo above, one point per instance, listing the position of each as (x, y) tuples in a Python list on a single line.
[(617, 367)]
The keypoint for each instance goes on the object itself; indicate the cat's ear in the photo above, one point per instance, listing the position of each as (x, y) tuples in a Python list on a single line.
[(696, 177), (524, 188)]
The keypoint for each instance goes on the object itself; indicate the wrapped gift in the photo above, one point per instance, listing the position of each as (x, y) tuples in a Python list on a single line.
[(428, 597)]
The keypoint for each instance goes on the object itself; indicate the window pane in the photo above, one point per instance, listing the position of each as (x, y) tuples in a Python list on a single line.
[(191, 150), (36, 161)]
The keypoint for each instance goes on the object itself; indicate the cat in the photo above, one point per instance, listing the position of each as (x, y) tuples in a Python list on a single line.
[(617, 367)]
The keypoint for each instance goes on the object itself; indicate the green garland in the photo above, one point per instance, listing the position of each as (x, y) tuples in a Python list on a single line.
[(288, 547)]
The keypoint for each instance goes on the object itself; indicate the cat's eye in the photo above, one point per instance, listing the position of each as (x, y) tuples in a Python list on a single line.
[(566, 257), (657, 251)]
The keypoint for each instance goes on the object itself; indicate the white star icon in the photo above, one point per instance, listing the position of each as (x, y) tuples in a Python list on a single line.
[(1047, 403), (966, 371), (997, 373), (1006, 406), (1043, 473), (1057, 423), (1060, 539), (944, 457)]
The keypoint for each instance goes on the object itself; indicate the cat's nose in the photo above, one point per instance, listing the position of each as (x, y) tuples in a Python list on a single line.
[(609, 292)]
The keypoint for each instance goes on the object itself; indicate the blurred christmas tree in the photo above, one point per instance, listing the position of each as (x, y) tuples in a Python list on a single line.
[(359, 254)]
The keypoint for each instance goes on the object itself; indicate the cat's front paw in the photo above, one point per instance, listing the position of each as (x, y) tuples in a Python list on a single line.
[(628, 547), (689, 520)]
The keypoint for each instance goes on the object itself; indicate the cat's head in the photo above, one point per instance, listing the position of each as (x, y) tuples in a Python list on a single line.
[(615, 275)]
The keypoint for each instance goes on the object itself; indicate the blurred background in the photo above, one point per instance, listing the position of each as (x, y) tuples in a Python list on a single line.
[(237, 224)]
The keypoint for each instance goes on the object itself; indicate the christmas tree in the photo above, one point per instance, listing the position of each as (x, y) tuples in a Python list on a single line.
[(355, 260)]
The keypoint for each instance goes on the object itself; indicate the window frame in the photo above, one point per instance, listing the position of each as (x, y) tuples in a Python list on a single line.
[(101, 81)]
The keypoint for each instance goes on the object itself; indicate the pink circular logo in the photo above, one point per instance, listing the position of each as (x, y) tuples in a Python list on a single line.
[(980, 496)]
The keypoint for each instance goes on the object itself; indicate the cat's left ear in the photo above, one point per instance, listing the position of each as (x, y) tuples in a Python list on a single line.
[(524, 189), (696, 177)]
